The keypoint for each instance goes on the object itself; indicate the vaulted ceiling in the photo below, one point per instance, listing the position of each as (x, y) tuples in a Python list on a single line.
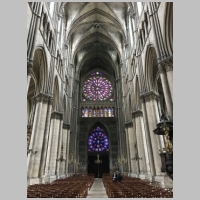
[(96, 33)]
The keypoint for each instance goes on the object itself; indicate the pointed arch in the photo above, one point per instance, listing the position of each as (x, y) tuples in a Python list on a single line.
[(40, 69), (151, 68), (64, 109), (55, 105), (98, 138), (168, 27), (137, 95)]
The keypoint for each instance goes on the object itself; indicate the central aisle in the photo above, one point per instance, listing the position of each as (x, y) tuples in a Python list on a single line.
[(97, 190)]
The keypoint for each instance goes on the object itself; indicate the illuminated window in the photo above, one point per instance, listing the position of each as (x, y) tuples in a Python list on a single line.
[(113, 111), (101, 112), (139, 5), (97, 87), (86, 112), (105, 112), (82, 112), (109, 112), (90, 112), (98, 140)]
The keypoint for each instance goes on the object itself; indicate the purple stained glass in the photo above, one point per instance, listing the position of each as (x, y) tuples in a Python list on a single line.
[(98, 140), (97, 87)]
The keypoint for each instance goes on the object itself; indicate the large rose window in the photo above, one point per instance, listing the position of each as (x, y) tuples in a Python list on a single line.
[(97, 87), (98, 140)]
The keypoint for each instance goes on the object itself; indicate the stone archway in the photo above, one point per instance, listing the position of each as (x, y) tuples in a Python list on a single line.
[(98, 149)]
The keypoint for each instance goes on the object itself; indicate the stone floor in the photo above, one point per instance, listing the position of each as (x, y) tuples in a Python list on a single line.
[(97, 190)]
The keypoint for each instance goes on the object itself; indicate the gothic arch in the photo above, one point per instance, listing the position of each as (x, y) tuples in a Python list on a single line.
[(168, 27), (55, 105), (137, 95), (40, 69), (151, 68), (104, 127), (64, 109)]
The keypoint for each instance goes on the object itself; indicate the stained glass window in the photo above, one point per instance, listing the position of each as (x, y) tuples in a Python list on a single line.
[(101, 112), (94, 112), (113, 111), (105, 112), (97, 87), (82, 111), (90, 112), (97, 113), (109, 112), (86, 112), (98, 140)]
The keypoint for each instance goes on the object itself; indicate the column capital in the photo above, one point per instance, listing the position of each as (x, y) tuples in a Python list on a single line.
[(137, 113), (66, 125), (41, 97), (161, 68), (148, 96), (167, 64), (56, 115)]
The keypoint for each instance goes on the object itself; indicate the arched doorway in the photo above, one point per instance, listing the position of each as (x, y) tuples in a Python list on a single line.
[(98, 152)]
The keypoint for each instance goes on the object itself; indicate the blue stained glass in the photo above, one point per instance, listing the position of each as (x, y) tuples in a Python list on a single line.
[(98, 140)]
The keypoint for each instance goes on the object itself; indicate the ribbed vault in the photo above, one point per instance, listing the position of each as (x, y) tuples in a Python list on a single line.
[(96, 33)]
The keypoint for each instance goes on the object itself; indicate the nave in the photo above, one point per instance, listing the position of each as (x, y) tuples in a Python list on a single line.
[(86, 186)]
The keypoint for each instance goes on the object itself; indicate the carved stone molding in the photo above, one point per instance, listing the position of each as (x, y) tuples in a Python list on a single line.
[(45, 98), (137, 113), (161, 68), (169, 65), (148, 96), (56, 115), (128, 124), (66, 125)]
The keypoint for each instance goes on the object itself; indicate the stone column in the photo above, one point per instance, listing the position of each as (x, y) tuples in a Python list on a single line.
[(132, 139), (38, 128), (46, 137), (152, 119), (169, 70), (63, 164), (67, 150), (166, 91), (127, 150), (140, 142), (59, 157), (148, 150), (39, 138), (29, 71), (53, 145)]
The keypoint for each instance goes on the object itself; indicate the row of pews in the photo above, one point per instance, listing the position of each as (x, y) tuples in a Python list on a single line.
[(70, 187), (131, 187)]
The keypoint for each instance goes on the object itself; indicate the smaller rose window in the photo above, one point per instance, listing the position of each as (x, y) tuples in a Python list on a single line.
[(98, 140)]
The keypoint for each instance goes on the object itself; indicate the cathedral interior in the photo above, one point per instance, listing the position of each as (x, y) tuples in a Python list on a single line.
[(100, 90)]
